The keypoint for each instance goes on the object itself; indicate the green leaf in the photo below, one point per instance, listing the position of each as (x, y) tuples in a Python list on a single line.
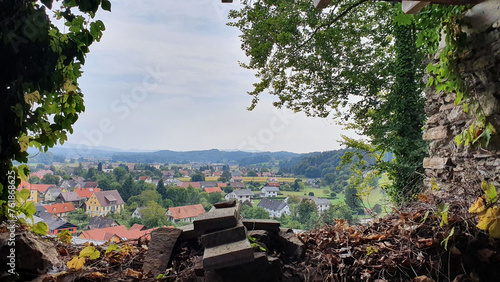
[(112, 247), (29, 209), (23, 171), (24, 194), (106, 5), (87, 251), (489, 190), (403, 19), (41, 228), (444, 243)]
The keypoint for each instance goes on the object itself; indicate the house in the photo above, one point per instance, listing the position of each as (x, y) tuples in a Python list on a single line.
[(60, 210), (237, 179), (137, 212), (273, 184), (33, 191), (204, 184), (186, 184), (237, 185), (98, 222), (69, 197), (52, 194), (146, 179), (85, 193), (116, 233), (103, 202), (235, 173), (242, 195), (217, 173), (185, 213), (269, 191), (54, 223), (275, 208), (41, 173), (212, 190), (90, 184), (322, 204)]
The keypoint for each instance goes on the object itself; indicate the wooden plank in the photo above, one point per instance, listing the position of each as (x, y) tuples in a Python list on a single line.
[(413, 7)]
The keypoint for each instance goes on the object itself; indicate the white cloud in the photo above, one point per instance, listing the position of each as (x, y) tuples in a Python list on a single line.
[(198, 102)]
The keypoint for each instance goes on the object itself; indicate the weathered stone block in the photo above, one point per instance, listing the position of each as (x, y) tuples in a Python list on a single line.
[(188, 232), (291, 244), (262, 224), (237, 233), (263, 268), (436, 133), (227, 255), (160, 249), (436, 163), (225, 204), (217, 219)]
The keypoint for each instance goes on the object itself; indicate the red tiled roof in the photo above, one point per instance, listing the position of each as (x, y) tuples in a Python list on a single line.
[(212, 189), (137, 227), (42, 188), (186, 184), (144, 177), (60, 208), (273, 184), (186, 211), (104, 234), (86, 192), (90, 184)]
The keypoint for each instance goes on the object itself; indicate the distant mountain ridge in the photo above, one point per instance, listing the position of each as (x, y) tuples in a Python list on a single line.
[(213, 156)]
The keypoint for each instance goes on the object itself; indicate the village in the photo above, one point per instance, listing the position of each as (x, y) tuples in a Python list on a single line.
[(144, 197)]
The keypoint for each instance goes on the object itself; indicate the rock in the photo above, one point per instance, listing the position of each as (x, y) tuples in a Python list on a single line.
[(262, 224), (436, 163), (291, 244), (228, 255), (436, 133), (237, 233), (225, 204), (160, 249), (262, 268), (32, 255), (264, 237), (217, 219)]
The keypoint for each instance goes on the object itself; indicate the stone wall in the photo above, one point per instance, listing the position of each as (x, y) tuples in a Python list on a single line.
[(458, 170)]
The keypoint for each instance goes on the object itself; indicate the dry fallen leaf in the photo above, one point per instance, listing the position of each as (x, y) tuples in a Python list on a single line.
[(422, 278), (132, 273), (478, 206)]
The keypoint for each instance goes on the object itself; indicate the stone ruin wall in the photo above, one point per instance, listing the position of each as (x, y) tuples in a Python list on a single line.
[(458, 170)]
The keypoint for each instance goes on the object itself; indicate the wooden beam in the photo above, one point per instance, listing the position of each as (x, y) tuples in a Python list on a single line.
[(413, 7)]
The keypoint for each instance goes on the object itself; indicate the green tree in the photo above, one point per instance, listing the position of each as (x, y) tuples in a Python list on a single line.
[(254, 212), (352, 199), (34, 180), (120, 173), (252, 173), (154, 215), (307, 209), (160, 188), (99, 167), (79, 170), (177, 195), (198, 176), (127, 189), (50, 179)]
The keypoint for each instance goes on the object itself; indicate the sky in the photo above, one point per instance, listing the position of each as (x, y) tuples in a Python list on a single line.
[(165, 76)]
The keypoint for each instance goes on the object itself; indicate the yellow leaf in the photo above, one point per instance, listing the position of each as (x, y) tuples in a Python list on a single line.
[(87, 251), (487, 219), (32, 98), (23, 143), (495, 229), (478, 206), (434, 186), (76, 263), (68, 86)]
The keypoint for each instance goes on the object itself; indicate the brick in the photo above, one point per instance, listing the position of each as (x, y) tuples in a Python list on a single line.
[(227, 255), (262, 224), (225, 236), (436, 163), (436, 133), (217, 219)]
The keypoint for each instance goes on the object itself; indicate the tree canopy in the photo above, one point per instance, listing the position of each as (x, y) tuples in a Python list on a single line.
[(41, 65)]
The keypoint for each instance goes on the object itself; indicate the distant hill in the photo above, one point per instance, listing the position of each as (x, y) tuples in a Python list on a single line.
[(213, 156)]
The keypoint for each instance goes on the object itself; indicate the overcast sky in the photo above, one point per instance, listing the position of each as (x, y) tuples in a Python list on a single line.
[(165, 76)]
